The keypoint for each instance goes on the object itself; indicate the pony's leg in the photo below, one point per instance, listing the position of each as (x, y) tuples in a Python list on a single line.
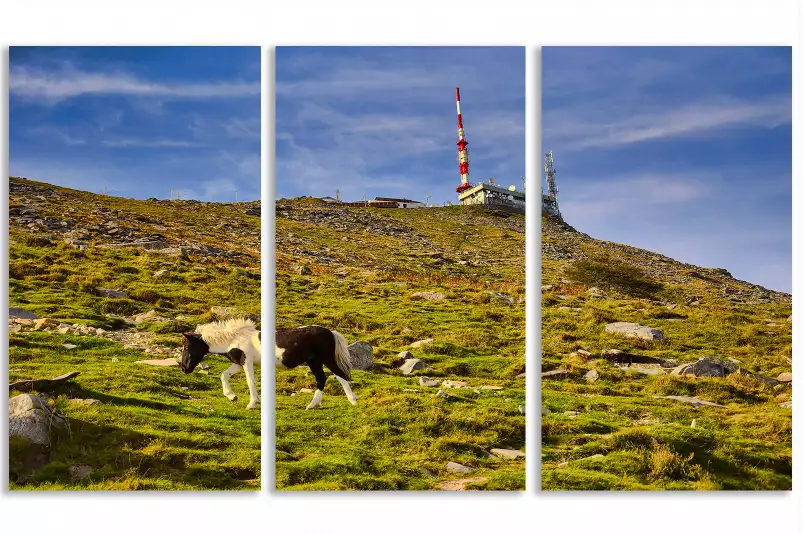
[(252, 385), (347, 388), (224, 378), (320, 381)]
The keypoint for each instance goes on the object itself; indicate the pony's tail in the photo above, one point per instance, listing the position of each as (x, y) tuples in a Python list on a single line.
[(342, 355)]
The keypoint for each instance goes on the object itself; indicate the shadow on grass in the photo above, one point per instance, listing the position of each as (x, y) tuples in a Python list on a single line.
[(114, 455)]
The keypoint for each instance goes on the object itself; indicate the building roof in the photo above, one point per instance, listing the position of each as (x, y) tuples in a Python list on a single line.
[(516, 194), (391, 199)]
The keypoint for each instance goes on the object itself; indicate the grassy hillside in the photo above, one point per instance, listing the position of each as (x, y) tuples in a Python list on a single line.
[(361, 272), (617, 431), (154, 428)]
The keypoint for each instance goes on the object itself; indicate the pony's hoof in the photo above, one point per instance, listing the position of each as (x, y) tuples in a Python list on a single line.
[(233, 398), (310, 406), (353, 401), (251, 406)]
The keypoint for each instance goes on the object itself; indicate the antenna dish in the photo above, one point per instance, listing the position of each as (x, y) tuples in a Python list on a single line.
[(512, 188)]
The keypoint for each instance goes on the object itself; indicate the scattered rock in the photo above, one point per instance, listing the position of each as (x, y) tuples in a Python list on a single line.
[(521, 409), (43, 324), (491, 387), (786, 404), (31, 418), (634, 330), (555, 374), (21, 313), (69, 346), (694, 422), (116, 294), (421, 343), (159, 273), (303, 270), (706, 367), (362, 355), (42, 385), (592, 376), (460, 484), (411, 365), (454, 384), (457, 468), (405, 355), (430, 296), (151, 314), (426, 381), (306, 391), (507, 454), (785, 377)]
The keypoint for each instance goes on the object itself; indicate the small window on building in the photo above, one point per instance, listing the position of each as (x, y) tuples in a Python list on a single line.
[(404, 205)]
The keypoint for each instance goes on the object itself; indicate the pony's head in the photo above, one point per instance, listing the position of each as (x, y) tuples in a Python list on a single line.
[(193, 351)]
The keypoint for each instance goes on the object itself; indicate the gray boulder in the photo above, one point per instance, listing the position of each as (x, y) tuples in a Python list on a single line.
[(362, 355), (411, 365), (108, 292), (507, 453), (21, 313), (457, 468), (634, 330), (31, 418), (706, 367), (421, 343), (426, 381)]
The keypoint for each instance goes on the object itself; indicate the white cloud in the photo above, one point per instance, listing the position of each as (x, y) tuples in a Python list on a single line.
[(586, 126), (69, 82), (125, 143)]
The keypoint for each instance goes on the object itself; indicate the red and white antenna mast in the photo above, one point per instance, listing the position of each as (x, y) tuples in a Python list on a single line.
[(462, 151)]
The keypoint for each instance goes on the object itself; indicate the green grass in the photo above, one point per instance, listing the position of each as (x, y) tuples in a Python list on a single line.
[(648, 443), (145, 434), (395, 439)]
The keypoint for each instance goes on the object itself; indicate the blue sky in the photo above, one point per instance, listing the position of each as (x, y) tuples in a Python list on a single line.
[(381, 121), (686, 151), (138, 121)]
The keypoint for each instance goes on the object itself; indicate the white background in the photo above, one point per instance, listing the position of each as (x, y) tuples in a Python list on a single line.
[(460, 22)]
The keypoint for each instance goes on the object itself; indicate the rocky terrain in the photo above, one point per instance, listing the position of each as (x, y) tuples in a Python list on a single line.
[(432, 303), (658, 374), (104, 286)]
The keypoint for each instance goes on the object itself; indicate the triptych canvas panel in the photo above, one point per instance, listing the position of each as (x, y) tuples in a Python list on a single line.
[(399, 201)]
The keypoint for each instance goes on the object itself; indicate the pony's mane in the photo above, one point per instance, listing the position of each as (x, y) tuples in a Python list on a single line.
[(223, 331)]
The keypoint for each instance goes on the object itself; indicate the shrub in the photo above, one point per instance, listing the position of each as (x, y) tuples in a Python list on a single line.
[(667, 464)]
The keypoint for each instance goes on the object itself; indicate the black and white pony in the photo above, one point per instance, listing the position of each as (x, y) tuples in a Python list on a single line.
[(237, 339), (316, 347)]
